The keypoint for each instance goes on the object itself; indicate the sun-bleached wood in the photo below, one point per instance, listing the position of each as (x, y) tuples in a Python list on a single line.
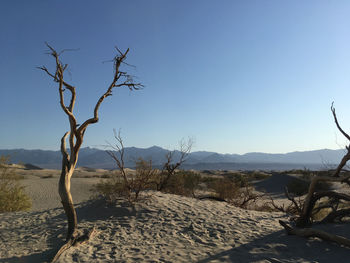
[(76, 133), (304, 221)]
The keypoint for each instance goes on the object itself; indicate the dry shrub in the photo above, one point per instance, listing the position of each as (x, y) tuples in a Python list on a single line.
[(225, 189), (231, 191), (182, 183), (127, 186), (12, 195)]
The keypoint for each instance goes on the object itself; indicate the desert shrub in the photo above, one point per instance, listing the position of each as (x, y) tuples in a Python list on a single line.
[(12, 195), (111, 188), (183, 183), (225, 189), (231, 191), (127, 186), (240, 179)]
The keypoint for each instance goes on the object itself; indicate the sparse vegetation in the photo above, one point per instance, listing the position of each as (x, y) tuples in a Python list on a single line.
[(183, 183), (129, 186), (235, 191), (12, 195), (171, 165), (122, 184)]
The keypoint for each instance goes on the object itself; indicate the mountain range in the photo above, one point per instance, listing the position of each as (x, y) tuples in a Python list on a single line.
[(200, 160)]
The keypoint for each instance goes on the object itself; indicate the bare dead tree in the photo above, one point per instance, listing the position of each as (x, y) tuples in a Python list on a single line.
[(334, 199), (119, 160), (133, 184), (312, 197), (76, 133), (169, 167)]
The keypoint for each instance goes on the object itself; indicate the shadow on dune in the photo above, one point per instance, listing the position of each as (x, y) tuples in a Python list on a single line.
[(55, 227), (98, 209), (52, 228), (274, 184), (279, 247)]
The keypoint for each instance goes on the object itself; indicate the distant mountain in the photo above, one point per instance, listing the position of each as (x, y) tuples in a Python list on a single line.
[(96, 158)]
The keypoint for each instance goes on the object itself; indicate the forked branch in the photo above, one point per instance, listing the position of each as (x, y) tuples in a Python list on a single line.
[(76, 134), (118, 75)]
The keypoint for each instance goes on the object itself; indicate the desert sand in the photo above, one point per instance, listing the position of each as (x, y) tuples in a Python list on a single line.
[(162, 228)]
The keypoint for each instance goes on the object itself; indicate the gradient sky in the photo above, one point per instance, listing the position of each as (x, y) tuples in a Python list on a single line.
[(238, 76)]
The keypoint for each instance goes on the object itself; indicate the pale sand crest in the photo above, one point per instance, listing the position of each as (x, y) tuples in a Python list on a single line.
[(164, 228)]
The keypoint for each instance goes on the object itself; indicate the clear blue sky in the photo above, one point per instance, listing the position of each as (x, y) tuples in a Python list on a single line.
[(238, 76)]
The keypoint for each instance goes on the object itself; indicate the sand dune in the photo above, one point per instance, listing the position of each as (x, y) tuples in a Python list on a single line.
[(163, 228)]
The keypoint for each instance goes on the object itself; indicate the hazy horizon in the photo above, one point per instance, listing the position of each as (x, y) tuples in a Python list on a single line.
[(238, 76), (199, 150)]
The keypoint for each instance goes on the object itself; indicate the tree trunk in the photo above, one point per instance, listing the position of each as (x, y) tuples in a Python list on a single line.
[(67, 201)]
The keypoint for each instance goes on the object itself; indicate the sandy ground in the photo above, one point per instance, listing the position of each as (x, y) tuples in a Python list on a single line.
[(164, 228)]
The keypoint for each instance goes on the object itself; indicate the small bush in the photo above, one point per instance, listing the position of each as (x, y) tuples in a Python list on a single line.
[(12, 195), (111, 188), (183, 183), (231, 191), (225, 189), (127, 186)]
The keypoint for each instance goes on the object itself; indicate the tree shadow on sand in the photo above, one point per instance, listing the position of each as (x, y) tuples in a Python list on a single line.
[(279, 247), (55, 227)]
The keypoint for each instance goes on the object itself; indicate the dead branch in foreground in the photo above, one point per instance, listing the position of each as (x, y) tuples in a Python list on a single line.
[(310, 232), (334, 199)]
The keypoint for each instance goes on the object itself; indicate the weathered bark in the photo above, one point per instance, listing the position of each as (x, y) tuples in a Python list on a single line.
[(76, 135), (67, 202), (312, 197), (64, 188), (305, 218)]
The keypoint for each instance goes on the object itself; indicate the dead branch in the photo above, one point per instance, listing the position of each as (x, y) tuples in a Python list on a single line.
[(246, 196), (337, 123), (309, 232), (297, 205), (76, 133), (119, 147), (312, 197), (118, 60), (133, 184), (334, 199), (170, 167)]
